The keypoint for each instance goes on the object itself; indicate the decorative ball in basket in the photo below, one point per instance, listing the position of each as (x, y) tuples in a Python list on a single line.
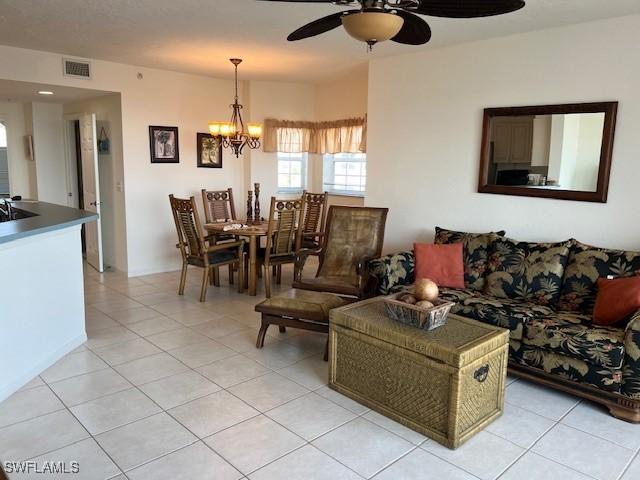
[(421, 309)]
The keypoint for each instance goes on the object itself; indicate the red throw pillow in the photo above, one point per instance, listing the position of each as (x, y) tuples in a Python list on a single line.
[(441, 263), (617, 299)]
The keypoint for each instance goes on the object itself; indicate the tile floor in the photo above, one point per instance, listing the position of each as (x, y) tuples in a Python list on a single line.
[(168, 388)]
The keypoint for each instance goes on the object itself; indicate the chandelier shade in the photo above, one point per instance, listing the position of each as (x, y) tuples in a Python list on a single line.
[(234, 134)]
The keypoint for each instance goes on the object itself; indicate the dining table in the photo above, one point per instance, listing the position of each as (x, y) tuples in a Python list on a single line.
[(253, 233)]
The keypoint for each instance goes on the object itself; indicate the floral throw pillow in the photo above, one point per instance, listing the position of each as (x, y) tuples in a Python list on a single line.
[(586, 265), (393, 272), (527, 271), (474, 253)]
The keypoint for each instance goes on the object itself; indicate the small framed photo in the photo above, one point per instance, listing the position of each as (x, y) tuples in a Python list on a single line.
[(163, 142), (209, 151)]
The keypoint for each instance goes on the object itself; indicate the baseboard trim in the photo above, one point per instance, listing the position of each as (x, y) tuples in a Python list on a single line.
[(153, 271), (25, 377)]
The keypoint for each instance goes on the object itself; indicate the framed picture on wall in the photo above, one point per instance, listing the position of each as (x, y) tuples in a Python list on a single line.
[(209, 151), (163, 142)]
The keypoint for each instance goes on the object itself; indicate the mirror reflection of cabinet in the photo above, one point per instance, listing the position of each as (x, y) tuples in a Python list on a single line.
[(512, 138), (551, 151)]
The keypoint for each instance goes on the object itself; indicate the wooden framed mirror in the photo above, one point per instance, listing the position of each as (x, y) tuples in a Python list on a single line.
[(548, 151)]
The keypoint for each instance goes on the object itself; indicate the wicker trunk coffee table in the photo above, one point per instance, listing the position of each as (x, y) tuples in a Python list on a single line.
[(447, 384)]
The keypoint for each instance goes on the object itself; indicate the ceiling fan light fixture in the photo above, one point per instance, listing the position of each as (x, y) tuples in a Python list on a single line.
[(372, 27)]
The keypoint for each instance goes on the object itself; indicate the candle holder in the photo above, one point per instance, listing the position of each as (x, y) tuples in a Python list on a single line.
[(256, 214), (249, 207)]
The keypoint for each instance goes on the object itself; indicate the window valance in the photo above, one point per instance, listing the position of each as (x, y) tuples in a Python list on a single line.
[(339, 136)]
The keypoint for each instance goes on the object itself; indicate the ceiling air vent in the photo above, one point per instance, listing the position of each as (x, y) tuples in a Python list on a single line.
[(76, 68)]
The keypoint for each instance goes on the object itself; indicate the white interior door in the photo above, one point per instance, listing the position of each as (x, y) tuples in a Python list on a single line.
[(91, 190)]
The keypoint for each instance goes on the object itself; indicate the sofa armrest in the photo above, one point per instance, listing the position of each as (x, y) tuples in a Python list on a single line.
[(392, 272), (631, 366)]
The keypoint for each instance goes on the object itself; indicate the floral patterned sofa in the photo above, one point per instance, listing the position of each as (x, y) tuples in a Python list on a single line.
[(544, 294)]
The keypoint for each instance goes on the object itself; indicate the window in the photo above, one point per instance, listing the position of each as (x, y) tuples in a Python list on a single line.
[(345, 173), (3, 135), (292, 172)]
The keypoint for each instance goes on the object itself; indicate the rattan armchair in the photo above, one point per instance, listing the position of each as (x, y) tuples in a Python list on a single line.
[(354, 237), (195, 251)]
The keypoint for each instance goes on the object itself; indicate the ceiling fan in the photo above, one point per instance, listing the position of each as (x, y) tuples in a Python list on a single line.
[(379, 20)]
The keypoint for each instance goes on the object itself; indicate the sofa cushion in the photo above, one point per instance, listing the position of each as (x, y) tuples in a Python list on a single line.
[(528, 271), (601, 346), (586, 265), (617, 300), (502, 312), (393, 272), (475, 253), (567, 367), (440, 263)]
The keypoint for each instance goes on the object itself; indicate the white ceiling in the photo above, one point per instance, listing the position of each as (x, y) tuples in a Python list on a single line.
[(28, 92), (199, 36)]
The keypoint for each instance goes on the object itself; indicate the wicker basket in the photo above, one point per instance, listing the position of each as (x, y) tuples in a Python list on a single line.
[(425, 318)]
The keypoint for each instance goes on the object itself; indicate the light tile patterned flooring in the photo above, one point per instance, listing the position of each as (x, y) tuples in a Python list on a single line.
[(167, 388)]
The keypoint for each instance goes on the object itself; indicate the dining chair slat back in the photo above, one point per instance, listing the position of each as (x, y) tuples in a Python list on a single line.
[(218, 205)]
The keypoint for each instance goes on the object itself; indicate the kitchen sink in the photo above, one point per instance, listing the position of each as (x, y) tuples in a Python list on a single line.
[(14, 214)]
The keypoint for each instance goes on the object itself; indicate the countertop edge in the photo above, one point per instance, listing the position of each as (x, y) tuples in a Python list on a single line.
[(49, 218)]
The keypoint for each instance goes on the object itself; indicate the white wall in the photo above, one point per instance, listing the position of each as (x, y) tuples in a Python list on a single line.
[(48, 147), (159, 98), (284, 101), (22, 172), (344, 96), (424, 133), (188, 102), (109, 115)]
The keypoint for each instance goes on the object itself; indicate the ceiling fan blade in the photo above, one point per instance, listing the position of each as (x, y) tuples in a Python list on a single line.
[(467, 8), (317, 27), (299, 1), (415, 30)]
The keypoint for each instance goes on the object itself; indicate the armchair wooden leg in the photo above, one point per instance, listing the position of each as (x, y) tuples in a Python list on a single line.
[(279, 275), (205, 284), (231, 270), (275, 270), (183, 279), (216, 276), (261, 334), (267, 282), (282, 329)]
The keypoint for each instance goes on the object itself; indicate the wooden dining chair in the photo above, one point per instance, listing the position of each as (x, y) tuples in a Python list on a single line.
[(284, 221), (196, 252), (354, 236), (219, 207), (313, 221)]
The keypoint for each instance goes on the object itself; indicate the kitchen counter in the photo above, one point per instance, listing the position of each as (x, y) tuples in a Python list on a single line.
[(48, 217), (42, 315)]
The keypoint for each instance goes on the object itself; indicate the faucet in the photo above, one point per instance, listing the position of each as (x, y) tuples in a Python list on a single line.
[(7, 210)]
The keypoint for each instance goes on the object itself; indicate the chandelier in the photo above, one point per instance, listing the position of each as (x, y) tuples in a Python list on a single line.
[(234, 134)]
